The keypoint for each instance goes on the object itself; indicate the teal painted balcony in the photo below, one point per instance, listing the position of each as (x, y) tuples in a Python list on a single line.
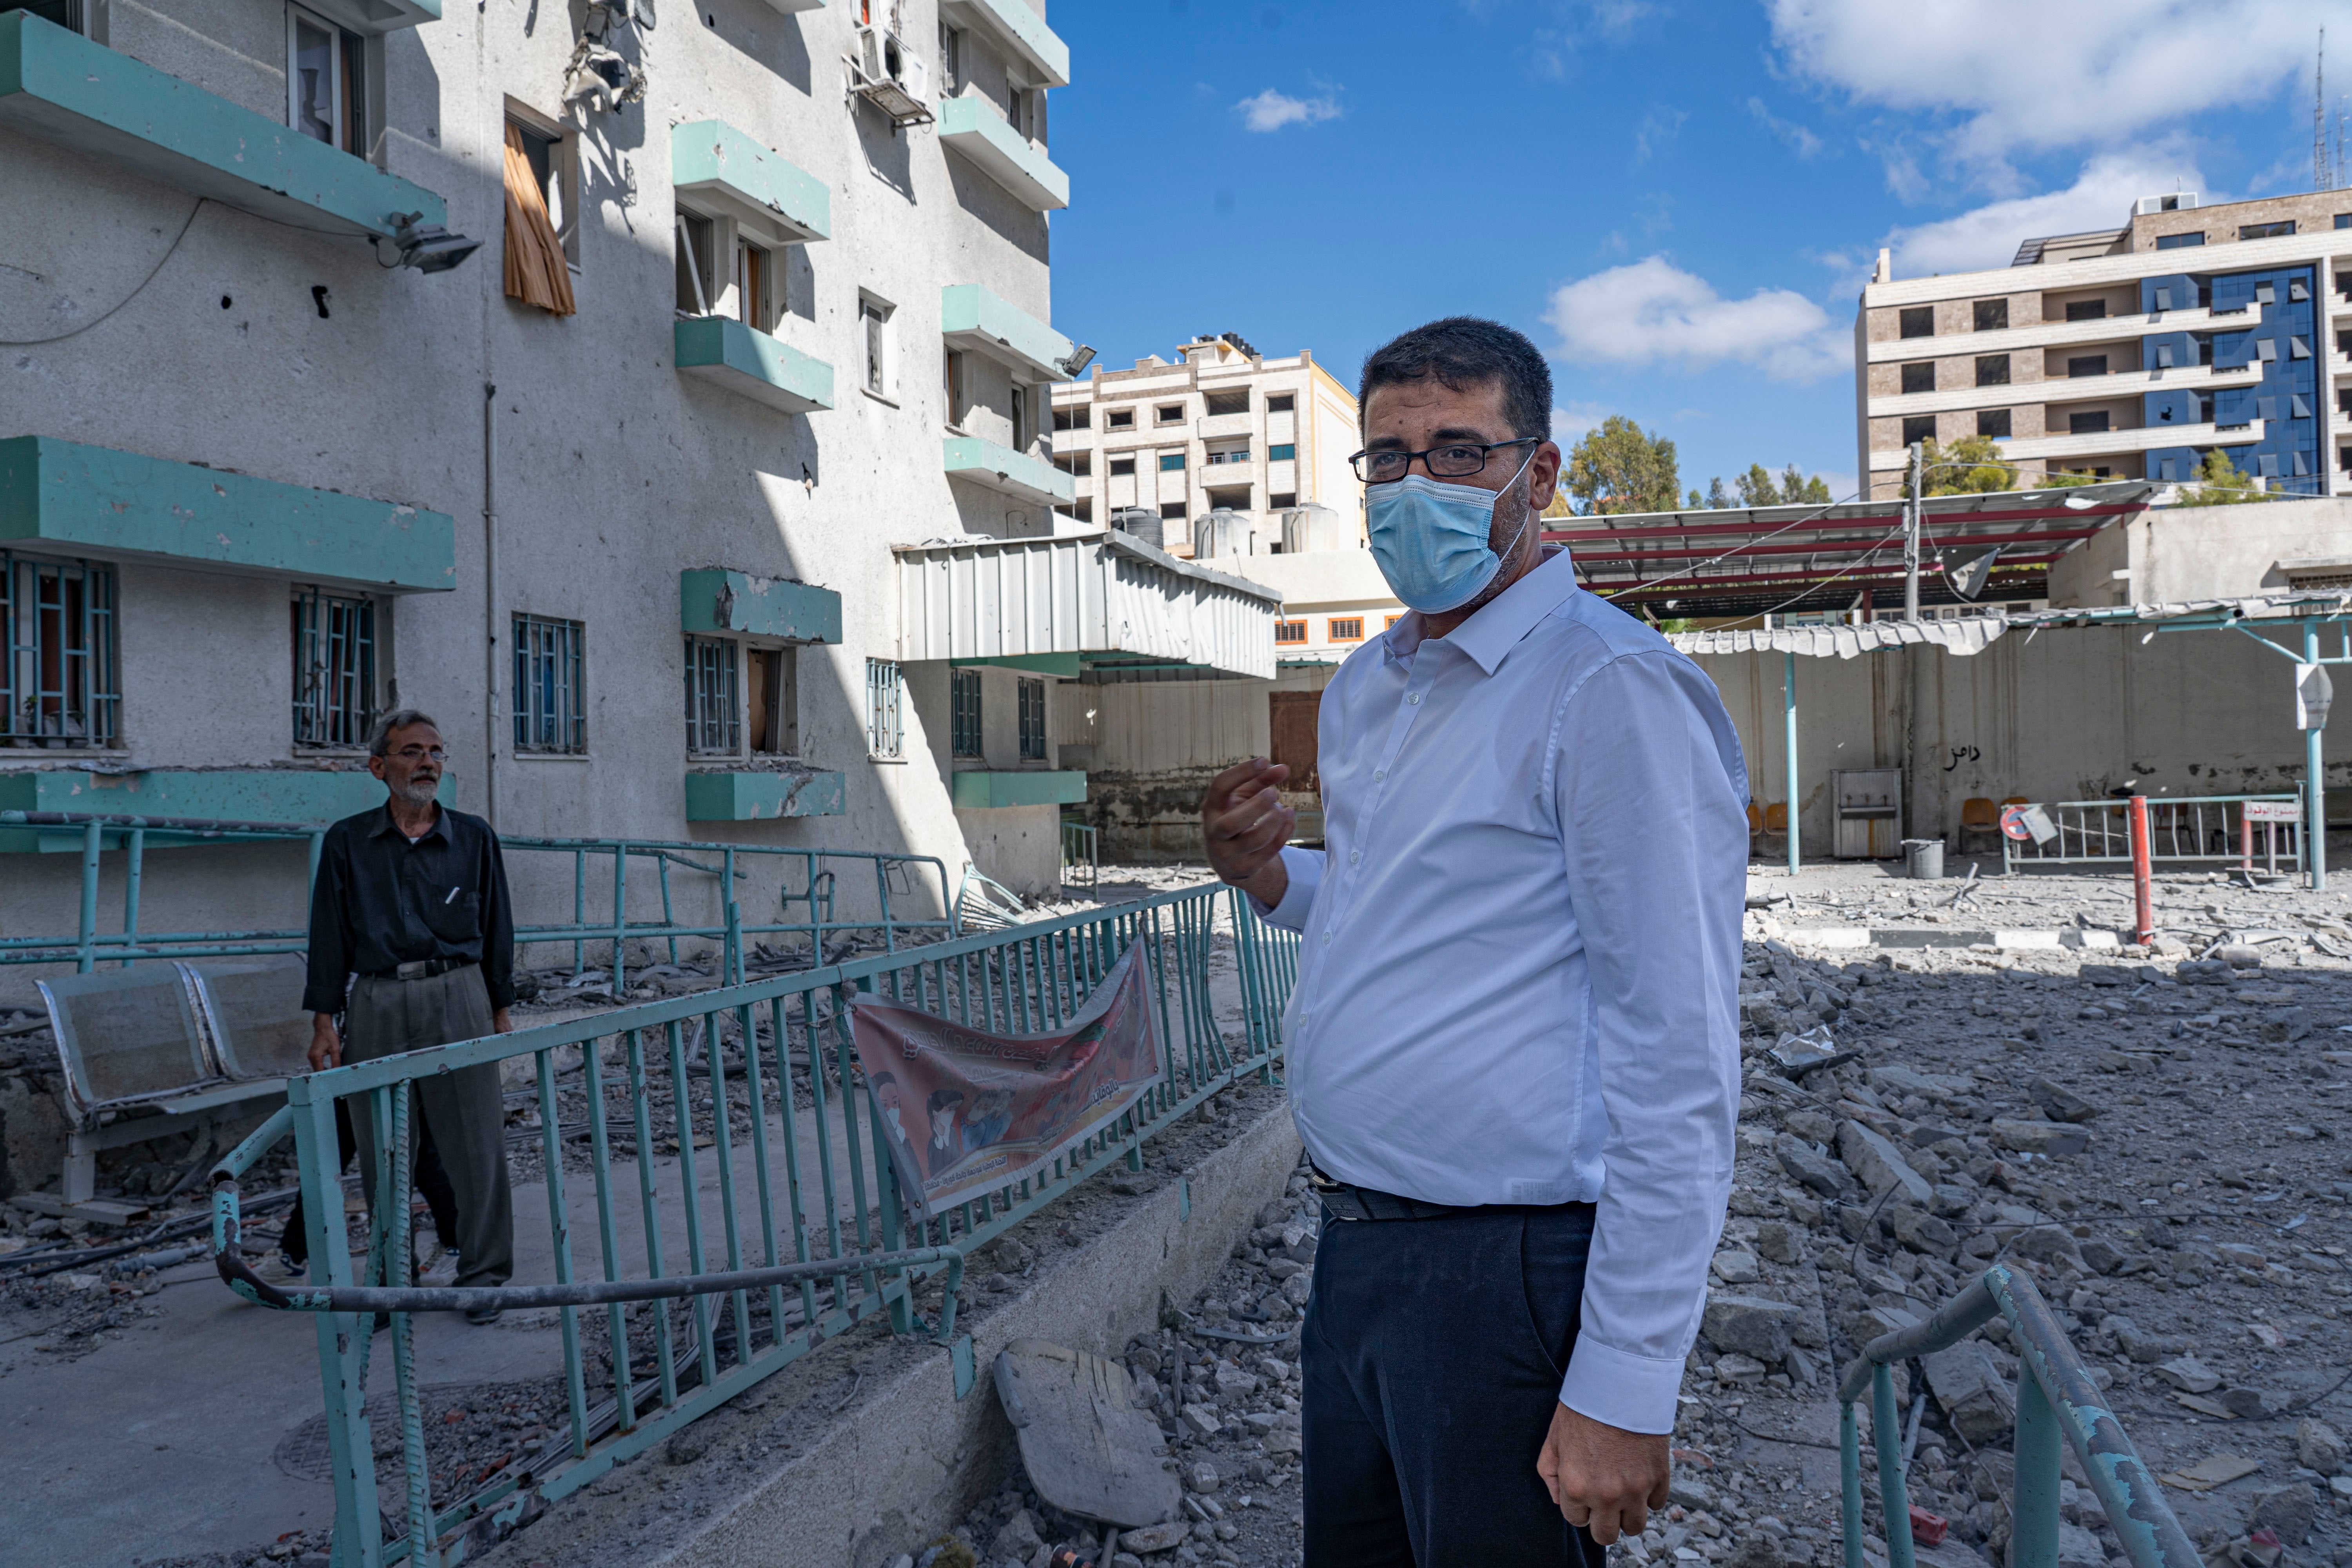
[(976, 790), (1034, 49), (973, 127), (1008, 472), (61, 86), (208, 794), (751, 363), (717, 171), (107, 505), (762, 796), (973, 318), (714, 599)]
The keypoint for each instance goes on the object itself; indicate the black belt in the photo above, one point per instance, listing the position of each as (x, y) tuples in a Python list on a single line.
[(421, 969), (1345, 1200)]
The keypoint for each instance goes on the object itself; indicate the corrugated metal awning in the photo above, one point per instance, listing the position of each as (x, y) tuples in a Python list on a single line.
[(1973, 634), (1101, 595)]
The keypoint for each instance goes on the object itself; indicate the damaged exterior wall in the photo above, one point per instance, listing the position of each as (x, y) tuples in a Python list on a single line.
[(2063, 715), (295, 358)]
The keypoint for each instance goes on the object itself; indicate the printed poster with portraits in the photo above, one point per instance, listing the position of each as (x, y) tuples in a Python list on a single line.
[(967, 1112)]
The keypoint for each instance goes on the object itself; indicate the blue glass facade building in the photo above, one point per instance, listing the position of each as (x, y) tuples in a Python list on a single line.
[(2263, 322)]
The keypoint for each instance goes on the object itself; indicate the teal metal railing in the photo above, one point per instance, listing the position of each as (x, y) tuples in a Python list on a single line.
[(774, 1177), (899, 880), (1081, 852), (2056, 1401)]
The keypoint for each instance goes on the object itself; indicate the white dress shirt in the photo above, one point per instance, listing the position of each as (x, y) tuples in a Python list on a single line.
[(1521, 972)]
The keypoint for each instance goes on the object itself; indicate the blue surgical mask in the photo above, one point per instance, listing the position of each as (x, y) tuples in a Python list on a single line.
[(1430, 538)]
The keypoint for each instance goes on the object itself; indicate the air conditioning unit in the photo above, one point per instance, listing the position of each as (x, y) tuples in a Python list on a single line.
[(891, 77), (2183, 200)]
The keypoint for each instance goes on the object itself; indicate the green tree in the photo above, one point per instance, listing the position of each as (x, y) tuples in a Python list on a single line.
[(1971, 466), (1697, 503), (1756, 487), (2222, 483), (1619, 466), (2065, 480), (1717, 498), (1797, 489)]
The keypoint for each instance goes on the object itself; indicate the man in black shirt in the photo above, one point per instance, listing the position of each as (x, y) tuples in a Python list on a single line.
[(411, 899)]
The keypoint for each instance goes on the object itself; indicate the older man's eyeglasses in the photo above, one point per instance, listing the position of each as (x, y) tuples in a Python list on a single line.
[(422, 754), (1456, 461)]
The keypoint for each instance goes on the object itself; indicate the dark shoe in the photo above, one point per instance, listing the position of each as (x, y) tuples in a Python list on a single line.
[(483, 1315)]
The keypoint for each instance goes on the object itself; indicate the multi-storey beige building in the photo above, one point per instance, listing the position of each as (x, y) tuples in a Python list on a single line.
[(1222, 429), (2129, 352)]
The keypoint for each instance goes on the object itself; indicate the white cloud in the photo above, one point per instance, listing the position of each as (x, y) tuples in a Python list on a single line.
[(1801, 142), (2026, 76), (1651, 311), (1574, 420), (2100, 197), (1657, 132), (1271, 111)]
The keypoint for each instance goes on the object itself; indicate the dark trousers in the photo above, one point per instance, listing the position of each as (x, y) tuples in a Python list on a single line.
[(432, 1181), (465, 1110), (1432, 1358)]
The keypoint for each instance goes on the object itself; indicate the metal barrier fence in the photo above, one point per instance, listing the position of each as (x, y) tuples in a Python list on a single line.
[(2055, 1399), (810, 1223), (1081, 850), (2212, 828), (817, 894)]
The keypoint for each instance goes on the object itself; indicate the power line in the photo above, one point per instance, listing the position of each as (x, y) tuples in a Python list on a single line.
[(173, 246)]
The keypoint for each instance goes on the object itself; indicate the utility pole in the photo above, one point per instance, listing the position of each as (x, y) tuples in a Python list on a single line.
[(1911, 537), (2323, 178)]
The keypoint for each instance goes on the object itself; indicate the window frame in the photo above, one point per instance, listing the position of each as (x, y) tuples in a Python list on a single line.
[(26, 656), (1332, 631), (1029, 698), (1282, 403), (1167, 414), (540, 640), (1912, 420), (886, 710), (1173, 462), (714, 696), (967, 737), (1993, 370), (357, 65), (781, 700), (559, 183), (1119, 419), (1910, 316), (1290, 631), (955, 386), (325, 689), (1121, 468), (2184, 240), (1990, 315), (878, 349), (2003, 417), (1912, 371), (2278, 228), (1282, 452)]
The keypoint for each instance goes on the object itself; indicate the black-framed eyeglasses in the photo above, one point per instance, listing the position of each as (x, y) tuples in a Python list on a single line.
[(1454, 460), (421, 753)]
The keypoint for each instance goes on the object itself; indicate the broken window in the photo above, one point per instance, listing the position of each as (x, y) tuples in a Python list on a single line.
[(334, 668), (952, 376), (550, 707), (550, 151), (714, 724), (695, 284), (1032, 720), (1071, 418), (771, 701), (60, 686), (874, 326), (964, 721), (886, 695), (1023, 430), (537, 272), (326, 82)]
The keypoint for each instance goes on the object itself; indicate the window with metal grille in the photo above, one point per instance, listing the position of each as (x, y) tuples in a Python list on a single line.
[(963, 726), (1289, 631), (61, 685), (1032, 720), (886, 693), (713, 716), (551, 710), (334, 668), (1347, 628)]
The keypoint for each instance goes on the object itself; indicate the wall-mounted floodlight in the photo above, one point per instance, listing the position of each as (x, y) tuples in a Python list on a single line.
[(427, 246), (1080, 357)]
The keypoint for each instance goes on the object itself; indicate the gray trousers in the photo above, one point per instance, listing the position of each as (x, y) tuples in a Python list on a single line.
[(465, 1108)]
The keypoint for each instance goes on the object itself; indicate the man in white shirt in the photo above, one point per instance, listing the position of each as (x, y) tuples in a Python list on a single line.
[(1513, 1042)]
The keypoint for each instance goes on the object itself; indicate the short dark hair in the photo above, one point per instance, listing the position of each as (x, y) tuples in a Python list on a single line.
[(943, 1097), (380, 742), (1466, 351)]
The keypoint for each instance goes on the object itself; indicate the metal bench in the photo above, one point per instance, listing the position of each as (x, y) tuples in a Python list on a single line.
[(161, 1048)]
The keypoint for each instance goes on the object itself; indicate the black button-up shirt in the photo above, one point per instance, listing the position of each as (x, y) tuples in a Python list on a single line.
[(381, 902)]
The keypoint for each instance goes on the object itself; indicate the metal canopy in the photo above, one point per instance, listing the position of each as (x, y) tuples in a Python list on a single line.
[(1115, 601), (1741, 560)]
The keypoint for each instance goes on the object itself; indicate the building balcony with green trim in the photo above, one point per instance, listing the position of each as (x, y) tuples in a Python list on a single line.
[(979, 131), (762, 795), (293, 797), (714, 166), (1035, 51), (1007, 472), (62, 88), (972, 318), (751, 363), (100, 504), (977, 789)]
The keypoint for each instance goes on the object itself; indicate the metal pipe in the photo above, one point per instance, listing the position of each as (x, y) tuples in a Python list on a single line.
[(93, 836), (130, 878), (1788, 706), (2034, 1540), (1911, 537), (2143, 880), (2314, 773), (490, 602), (1886, 1437)]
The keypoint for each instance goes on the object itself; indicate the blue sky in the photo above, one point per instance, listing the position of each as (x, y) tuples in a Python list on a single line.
[(1677, 201)]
